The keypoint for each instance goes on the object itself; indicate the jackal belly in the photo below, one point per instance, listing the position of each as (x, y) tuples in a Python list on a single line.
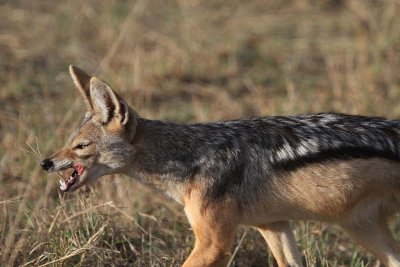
[(330, 191)]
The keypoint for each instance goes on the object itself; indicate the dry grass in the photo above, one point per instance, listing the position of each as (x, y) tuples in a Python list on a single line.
[(178, 60)]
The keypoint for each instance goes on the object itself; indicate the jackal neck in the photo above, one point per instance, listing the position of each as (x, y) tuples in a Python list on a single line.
[(165, 152)]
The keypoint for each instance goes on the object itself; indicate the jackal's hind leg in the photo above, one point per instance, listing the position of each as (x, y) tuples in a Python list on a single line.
[(377, 239), (281, 241)]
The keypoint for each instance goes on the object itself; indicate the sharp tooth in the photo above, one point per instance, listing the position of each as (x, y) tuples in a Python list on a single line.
[(63, 186)]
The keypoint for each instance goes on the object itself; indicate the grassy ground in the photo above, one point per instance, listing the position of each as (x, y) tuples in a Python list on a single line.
[(184, 60)]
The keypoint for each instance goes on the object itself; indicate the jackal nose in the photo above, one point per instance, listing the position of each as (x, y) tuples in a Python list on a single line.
[(46, 164)]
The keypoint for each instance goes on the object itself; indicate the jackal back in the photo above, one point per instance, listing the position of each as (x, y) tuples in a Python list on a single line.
[(241, 158)]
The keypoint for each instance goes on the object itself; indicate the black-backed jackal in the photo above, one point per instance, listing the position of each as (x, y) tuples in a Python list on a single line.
[(262, 172)]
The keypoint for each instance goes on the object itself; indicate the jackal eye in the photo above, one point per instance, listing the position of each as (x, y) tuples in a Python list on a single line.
[(81, 146)]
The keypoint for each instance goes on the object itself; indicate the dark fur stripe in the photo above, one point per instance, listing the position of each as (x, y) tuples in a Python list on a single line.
[(338, 154)]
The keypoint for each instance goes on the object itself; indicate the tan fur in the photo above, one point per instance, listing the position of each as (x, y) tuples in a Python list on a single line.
[(374, 235), (64, 153), (282, 243), (332, 191), (214, 225)]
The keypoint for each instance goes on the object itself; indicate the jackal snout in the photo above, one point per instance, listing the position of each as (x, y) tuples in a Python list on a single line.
[(46, 164), (51, 164)]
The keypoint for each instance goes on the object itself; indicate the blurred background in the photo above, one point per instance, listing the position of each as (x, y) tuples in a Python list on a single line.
[(185, 60)]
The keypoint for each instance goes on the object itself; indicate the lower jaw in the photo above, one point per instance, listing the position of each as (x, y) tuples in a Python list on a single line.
[(72, 180)]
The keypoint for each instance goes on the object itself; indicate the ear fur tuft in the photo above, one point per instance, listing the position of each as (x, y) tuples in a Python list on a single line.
[(106, 104), (124, 112)]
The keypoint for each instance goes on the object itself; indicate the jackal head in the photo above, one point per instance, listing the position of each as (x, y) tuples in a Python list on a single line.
[(102, 142)]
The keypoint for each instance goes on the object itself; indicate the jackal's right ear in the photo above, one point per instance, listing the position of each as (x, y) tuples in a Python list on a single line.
[(82, 81), (106, 104)]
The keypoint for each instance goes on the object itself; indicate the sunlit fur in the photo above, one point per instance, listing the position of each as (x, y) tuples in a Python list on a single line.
[(261, 172)]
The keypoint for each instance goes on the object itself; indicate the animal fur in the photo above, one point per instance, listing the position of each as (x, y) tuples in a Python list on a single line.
[(262, 172)]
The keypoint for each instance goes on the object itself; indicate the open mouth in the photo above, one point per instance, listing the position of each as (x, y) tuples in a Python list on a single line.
[(72, 179)]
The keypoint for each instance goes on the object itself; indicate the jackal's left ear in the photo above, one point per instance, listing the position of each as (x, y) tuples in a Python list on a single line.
[(106, 103), (82, 82)]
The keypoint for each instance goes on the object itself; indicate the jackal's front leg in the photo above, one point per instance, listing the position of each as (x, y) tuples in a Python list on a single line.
[(214, 228), (281, 241), (212, 248)]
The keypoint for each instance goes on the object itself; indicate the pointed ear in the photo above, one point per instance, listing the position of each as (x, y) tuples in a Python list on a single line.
[(82, 82), (123, 113), (107, 104)]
